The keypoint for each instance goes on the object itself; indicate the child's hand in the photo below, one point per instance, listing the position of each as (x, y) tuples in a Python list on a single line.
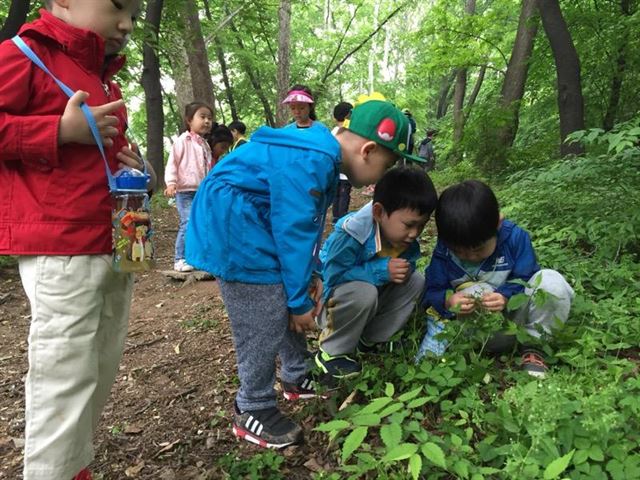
[(494, 301), (398, 270), (130, 157), (465, 302), (170, 191), (302, 323), (315, 292), (74, 127)]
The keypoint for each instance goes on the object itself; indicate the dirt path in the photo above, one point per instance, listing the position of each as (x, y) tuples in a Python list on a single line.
[(169, 412)]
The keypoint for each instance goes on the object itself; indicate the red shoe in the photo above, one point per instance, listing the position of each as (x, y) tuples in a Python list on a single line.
[(84, 474)]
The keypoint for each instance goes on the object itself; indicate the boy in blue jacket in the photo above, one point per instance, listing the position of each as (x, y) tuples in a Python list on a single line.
[(477, 256), (369, 263), (255, 224)]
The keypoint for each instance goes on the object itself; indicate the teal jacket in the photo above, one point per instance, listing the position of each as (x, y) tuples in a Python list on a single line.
[(351, 252), (259, 214)]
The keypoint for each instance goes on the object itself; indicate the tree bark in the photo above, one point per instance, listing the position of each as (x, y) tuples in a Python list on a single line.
[(225, 78), (443, 96), (618, 74), (475, 91), (570, 100), (15, 19), (153, 89), (284, 45), (458, 96), (198, 58)]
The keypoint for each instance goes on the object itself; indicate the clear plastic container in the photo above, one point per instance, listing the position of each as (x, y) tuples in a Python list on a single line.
[(133, 249)]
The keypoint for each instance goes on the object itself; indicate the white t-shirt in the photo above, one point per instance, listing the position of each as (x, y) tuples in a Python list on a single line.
[(333, 132)]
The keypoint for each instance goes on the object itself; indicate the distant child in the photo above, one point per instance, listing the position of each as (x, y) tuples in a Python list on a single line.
[(477, 256), (341, 112), (55, 214), (369, 262), (220, 139), (189, 162), (302, 106), (255, 224), (238, 130)]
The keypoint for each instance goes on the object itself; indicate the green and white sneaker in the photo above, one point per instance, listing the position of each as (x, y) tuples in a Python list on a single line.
[(338, 366)]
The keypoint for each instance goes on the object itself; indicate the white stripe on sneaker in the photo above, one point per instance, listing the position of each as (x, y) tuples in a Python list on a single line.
[(259, 430)]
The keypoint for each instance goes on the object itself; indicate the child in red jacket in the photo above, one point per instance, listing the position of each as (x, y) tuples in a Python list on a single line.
[(55, 213)]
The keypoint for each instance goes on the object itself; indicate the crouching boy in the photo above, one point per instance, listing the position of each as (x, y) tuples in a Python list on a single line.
[(369, 270), (477, 257)]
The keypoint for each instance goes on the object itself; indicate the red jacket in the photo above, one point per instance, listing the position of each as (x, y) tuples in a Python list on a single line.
[(54, 200)]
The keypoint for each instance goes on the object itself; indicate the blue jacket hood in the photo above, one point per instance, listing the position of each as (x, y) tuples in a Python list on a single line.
[(317, 137)]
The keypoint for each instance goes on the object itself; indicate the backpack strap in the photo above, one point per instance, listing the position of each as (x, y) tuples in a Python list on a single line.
[(69, 92)]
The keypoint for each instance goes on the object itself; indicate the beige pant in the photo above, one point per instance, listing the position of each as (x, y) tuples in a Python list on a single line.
[(79, 317)]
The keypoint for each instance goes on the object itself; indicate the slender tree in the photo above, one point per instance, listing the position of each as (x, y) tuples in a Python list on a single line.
[(17, 16), (570, 101), (284, 60), (153, 88)]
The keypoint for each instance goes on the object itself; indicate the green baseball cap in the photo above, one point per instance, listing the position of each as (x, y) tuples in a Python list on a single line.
[(382, 122)]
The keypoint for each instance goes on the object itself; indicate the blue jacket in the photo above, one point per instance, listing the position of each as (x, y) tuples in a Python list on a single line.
[(513, 258), (259, 214), (350, 252)]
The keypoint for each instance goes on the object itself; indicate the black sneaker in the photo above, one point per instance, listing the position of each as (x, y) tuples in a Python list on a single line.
[(303, 390), (533, 363), (267, 428), (339, 366)]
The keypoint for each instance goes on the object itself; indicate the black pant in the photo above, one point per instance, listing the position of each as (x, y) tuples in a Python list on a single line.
[(341, 202)]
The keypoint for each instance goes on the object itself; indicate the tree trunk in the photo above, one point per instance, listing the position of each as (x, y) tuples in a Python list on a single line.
[(153, 89), (17, 16), (254, 79), (182, 78), (225, 78), (475, 91), (443, 96), (570, 101), (284, 45), (618, 74), (198, 58), (458, 96)]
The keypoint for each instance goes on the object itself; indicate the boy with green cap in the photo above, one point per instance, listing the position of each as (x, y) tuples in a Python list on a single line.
[(255, 224)]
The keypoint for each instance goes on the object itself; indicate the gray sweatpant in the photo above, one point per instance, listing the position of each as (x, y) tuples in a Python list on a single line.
[(260, 324), (361, 310)]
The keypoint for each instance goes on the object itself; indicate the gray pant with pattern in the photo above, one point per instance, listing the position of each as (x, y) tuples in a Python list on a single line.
[(260, 324), (361, 310)]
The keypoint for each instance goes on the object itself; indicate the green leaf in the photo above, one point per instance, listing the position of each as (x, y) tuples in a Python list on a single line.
[(367, 420), (402, 451), (352, 442), (559, 465), (405, 397), (389, 389), (391, 435), (393, 408), (415, 466), (417, 402), (516, 301), (376, 405), (595, 453), (333, 425), (434, 454)]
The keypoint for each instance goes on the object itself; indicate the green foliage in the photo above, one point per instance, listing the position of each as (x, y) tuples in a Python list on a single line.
[(261, 466)]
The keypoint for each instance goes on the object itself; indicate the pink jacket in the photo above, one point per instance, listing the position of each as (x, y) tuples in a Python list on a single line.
[(188, 163)]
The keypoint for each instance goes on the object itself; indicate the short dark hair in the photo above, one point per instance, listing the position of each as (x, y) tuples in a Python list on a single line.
[(312, 106), (342, 111), (467, 214), (219, 134), (406, 187), (239, 126), (190, 110)]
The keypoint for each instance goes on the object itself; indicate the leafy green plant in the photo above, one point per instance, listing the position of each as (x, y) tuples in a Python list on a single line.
[(265, 465)]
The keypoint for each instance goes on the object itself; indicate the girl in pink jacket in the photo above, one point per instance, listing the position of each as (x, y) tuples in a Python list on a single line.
[(188, 164)]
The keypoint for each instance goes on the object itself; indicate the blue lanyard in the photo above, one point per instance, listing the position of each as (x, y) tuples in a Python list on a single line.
[(85, 108)]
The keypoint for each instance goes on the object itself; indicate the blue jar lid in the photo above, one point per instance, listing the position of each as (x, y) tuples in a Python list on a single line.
[(131, 179)]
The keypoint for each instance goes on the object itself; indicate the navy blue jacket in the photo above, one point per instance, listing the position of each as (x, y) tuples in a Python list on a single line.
[(513, 258)]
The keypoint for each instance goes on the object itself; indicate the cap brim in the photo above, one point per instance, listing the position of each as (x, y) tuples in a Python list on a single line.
[(412, 158), (296, 97)]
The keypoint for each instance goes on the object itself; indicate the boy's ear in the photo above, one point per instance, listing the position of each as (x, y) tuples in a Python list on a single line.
[(378, 211), (500, 220), (367, 148)]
